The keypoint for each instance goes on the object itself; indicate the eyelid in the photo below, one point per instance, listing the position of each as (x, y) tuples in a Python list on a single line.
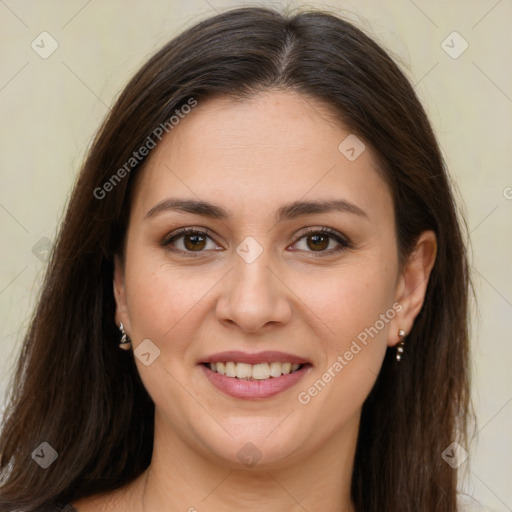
[(324, 230), (178, 233), (188, 230), (343, 241)]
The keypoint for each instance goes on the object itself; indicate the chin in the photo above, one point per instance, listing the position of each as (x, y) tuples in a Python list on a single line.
[(257, 444)]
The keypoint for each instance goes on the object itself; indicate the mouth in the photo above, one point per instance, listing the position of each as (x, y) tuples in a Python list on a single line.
[(260, 371), (254, 376)]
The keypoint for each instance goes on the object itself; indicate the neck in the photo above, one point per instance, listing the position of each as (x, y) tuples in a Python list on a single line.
[(180, 478)]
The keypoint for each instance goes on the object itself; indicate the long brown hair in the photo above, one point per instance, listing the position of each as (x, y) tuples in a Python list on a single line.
[(74, 389)]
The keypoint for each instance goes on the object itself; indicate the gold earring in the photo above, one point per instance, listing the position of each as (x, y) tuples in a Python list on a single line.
[(125, 342), (400, 347)]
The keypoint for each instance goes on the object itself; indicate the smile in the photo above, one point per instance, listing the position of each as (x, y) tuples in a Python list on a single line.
[(261, 371), (254, 376)]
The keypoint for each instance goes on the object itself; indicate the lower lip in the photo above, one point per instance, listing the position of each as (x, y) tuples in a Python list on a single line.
[(254, 389)]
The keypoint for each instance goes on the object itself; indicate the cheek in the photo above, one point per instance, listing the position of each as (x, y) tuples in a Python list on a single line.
[(161, 300), (356, 305), (349, 301), (164, 305), (352, 306)]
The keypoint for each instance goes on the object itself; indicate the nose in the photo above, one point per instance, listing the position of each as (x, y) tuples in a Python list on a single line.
[(253, 295)]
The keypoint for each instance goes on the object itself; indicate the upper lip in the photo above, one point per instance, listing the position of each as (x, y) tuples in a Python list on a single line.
[(267, 356)]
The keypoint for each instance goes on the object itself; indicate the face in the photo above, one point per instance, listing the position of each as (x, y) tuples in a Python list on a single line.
[(268, 320)]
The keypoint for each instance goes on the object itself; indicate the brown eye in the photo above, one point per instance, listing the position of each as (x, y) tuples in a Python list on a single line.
[(318, 242), (194, 242), (323, 241), (188, 241)]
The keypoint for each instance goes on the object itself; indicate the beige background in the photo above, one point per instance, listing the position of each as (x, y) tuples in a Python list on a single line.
[(51, 107)]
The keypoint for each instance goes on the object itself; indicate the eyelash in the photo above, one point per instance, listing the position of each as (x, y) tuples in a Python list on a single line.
[(344, 242)]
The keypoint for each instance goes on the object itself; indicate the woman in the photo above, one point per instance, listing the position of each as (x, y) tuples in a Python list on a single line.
[(265, 223)]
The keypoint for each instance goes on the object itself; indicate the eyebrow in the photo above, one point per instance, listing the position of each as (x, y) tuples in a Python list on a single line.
[(287, 211)]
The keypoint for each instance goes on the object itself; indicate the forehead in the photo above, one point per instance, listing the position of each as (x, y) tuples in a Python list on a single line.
[(274, 147)]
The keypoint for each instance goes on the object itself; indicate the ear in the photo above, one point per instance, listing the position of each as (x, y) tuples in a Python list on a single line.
[(120, 294), (412, 285)]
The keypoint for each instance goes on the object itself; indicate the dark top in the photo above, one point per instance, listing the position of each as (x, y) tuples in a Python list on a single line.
[(57, 508)]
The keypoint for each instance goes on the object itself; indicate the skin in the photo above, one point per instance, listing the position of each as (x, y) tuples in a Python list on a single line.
[(252, 157)]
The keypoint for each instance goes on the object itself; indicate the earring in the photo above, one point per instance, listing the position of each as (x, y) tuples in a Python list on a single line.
[(125, 342), (400, 347)]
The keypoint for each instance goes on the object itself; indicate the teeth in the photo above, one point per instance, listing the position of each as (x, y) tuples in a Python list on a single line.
[(230, 369), (260, 371), (275, 369), (243, 370)]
